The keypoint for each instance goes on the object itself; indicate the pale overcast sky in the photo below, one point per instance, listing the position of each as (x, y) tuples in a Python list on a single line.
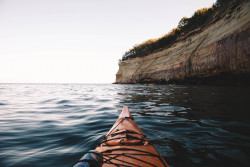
[(79, 41)]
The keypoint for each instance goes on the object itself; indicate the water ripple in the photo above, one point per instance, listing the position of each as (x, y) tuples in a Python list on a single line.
[(55, 124)]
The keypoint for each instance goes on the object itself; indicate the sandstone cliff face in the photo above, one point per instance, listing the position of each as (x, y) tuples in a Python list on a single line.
[(219, 53)]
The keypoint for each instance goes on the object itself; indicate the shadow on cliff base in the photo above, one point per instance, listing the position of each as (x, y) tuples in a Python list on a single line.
[(220, 79)]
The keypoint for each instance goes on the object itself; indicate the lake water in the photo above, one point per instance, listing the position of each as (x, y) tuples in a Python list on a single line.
[(55, 124)]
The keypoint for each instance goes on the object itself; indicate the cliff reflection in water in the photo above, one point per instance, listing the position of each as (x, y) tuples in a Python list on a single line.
[(194, 125), (193, 102)]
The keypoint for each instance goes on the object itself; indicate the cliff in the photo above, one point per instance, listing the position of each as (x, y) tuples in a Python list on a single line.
[(215, 53)]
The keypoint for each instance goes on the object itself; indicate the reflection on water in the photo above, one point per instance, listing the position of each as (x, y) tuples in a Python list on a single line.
[(54, 124)]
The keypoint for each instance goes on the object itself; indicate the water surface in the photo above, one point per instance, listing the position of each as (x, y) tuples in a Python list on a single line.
[(55, 124)]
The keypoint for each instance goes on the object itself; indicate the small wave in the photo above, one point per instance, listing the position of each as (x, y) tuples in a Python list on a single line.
[(139, 104), (88, 99), (63, 101), (165, 114), (47, 101), (66, 106), (169, 108), (105, 109)]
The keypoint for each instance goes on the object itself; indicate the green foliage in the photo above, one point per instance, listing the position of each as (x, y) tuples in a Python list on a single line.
[(184, 21), (185, 26), (219, 3)]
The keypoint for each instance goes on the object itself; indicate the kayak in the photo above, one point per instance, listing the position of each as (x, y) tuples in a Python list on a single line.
[(125, 145)]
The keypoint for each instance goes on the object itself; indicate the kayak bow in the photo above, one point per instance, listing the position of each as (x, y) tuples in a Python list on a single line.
[(126, 145)]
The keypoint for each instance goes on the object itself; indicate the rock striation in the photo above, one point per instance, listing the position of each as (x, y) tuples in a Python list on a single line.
[(216, 53)]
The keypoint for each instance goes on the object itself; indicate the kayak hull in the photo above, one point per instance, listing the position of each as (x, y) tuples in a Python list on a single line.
[(126, 145)]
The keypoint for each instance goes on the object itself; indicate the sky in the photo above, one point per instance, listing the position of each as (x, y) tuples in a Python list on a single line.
[(79, 41)]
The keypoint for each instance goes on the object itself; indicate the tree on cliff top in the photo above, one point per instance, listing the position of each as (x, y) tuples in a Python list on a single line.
[(185, 26)]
